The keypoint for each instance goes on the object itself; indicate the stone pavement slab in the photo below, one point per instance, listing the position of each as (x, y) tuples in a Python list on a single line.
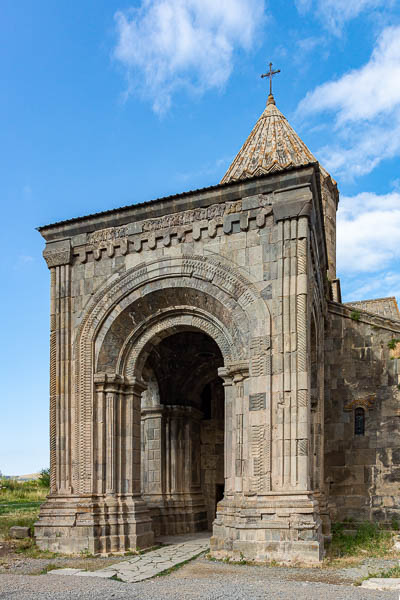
[(381, 583), (64, 571), (148, 565)]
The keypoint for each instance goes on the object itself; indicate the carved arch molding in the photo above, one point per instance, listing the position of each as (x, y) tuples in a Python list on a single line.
[(115, 333)]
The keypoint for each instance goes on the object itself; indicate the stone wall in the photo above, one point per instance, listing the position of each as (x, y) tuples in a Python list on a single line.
[(362, 471)]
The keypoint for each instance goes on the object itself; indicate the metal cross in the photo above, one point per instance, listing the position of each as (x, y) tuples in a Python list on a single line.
[(270, 74)]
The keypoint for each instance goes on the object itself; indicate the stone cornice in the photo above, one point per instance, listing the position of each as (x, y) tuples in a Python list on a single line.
[(187, 201), (364, 317)]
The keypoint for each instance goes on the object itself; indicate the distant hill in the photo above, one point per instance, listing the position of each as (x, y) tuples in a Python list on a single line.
[(29, 477)]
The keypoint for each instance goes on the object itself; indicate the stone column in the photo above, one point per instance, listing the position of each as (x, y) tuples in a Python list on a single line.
[(228, 433), (121, 514), (58, 258), (182, 508), (58, 510)]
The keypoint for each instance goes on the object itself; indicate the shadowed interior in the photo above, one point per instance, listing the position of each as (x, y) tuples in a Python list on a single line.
[(182, 433)]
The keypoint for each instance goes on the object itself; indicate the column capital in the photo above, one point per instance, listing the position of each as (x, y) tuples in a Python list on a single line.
[(110, 382), (237, 371), (58, 253), (135, 385)]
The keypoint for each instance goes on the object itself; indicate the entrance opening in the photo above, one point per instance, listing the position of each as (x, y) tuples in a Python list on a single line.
[(183, 433)]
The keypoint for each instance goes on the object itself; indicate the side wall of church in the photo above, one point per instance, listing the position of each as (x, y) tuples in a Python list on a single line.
[(362, 416)]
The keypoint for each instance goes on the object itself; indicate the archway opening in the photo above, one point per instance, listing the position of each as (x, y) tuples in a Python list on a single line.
[(182, 432)]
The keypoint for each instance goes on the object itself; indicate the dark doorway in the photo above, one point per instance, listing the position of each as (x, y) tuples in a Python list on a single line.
[(183, 432)]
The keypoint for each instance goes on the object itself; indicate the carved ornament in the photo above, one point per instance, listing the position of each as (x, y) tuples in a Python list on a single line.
[(187, 217), (366, 402), (55, 259), (106, 235)]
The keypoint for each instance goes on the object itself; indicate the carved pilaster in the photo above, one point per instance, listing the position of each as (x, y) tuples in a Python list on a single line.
[(60, 379), (117, 435), (53, 383), (234, 376), (228, 441), (303, 356), (292, 388)]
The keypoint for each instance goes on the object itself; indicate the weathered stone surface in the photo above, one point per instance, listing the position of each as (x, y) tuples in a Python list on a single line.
[(381, 583), (18, 532), (360, 375)]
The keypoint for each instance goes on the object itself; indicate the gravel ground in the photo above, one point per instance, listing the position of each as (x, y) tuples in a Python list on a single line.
[(199, 579)]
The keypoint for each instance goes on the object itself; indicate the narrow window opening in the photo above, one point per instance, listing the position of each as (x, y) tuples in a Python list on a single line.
[(359, 421)]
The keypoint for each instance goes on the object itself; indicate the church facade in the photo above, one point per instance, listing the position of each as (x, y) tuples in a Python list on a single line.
[(204, 373)]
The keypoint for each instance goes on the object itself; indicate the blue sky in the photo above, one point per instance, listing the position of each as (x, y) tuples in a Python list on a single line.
[(105, 103)]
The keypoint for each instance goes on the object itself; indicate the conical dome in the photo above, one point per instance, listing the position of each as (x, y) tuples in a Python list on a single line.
[(272, 146)]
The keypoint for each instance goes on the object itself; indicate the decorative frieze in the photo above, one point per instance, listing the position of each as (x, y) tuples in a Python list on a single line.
[(106, 235), (217, 219), (189, 216)]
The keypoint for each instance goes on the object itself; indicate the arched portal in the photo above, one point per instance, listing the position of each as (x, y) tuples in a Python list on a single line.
[(114, 354), (182, 432)]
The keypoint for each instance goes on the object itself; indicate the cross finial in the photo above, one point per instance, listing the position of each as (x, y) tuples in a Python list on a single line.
[(270, 74)]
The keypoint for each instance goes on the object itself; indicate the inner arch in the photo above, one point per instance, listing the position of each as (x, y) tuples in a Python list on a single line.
[(182, 432)]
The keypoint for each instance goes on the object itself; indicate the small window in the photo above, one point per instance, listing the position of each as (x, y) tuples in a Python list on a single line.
[(359, 421)]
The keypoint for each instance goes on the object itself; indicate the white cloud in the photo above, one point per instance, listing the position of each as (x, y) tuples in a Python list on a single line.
[(387, 284), (334, 13), (168, 45), (368, 233), (366, 92), (365, 107)]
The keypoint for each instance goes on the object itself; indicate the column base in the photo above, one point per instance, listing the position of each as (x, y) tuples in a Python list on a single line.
[(72, 524), (284, 528), (177, 514)]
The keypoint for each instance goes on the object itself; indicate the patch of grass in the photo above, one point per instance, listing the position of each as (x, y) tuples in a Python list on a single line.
[(393, 343), (47, 568), (385, 574), (19, 504), (86, 554), (26, 518), (29, 549), (355, 315), (393, 572), (25, 491), (116, 578), (370, 540)]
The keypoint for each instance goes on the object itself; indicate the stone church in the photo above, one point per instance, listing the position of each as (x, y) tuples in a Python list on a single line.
[(205, 374)]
